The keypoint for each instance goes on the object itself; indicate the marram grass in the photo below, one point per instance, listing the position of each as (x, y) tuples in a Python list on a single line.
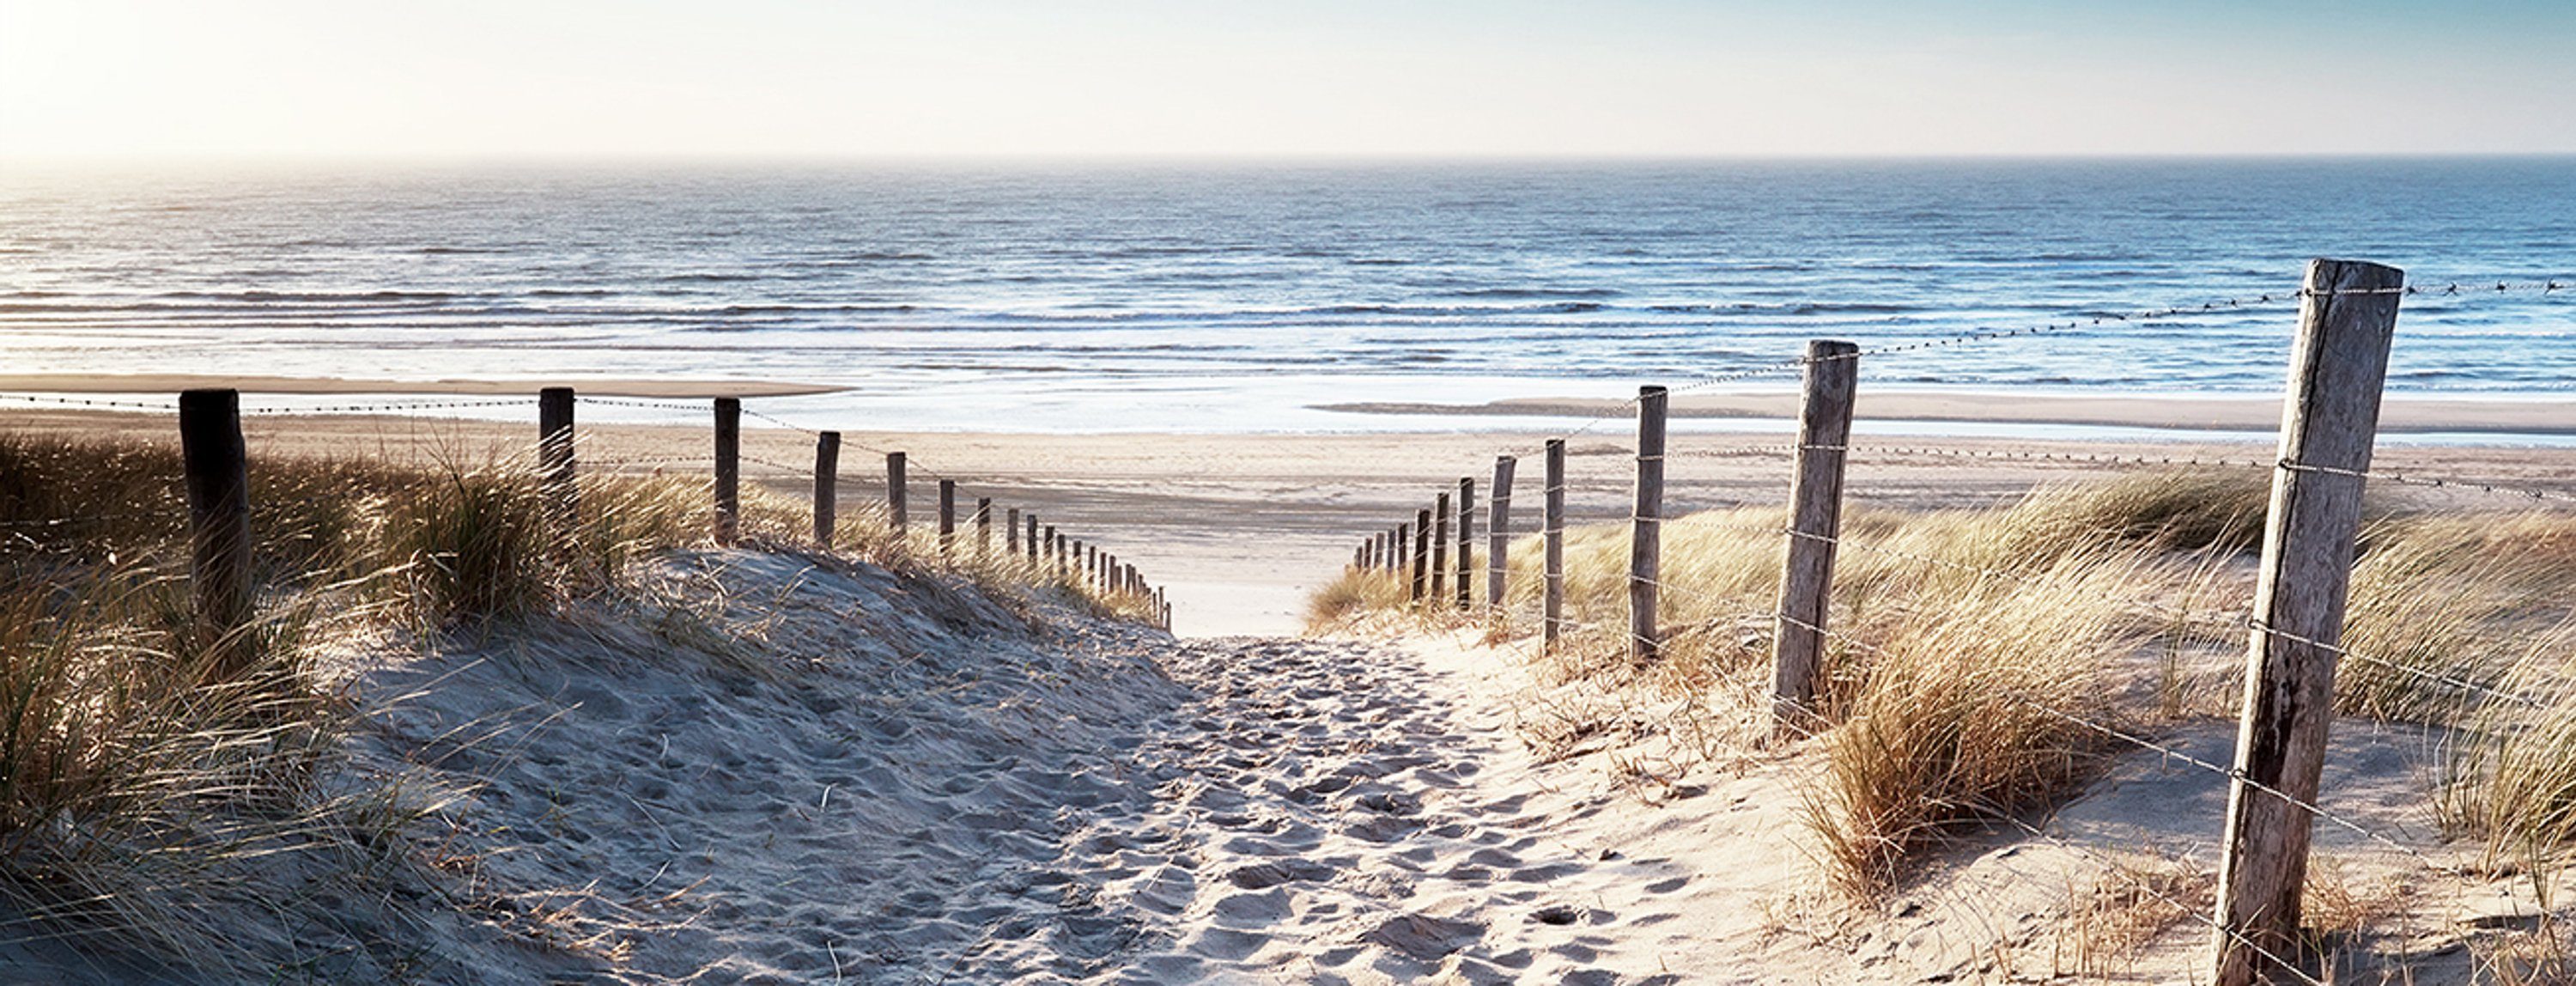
[(1980, 655), (138, 790)]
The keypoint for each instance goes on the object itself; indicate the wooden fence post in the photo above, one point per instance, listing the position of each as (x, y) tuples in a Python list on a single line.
[(894, 493), (2338, 364), (1646, 527), (983, 528), (555, 462), (216, 465), (1032, 543), (1815, 522), (1552, 536), (1421, 551), (1466, 542), (1011, 533), (1439, 548), (947, 516), (1498, 530), (827, 487), (728, 470), (1054, 549)]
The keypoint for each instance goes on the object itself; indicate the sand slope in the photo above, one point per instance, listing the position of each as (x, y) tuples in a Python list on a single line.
[(773, 769)]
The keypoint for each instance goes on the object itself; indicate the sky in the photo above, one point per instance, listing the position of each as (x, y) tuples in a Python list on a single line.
[(813, 79)]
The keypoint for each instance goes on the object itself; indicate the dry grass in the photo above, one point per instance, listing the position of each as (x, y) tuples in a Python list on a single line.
[(149, 803), (2119, 603), (1966, 713), (2128, 909)]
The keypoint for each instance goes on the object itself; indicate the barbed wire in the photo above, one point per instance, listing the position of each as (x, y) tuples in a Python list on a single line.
[(653, 403), (91, 402), (370, 408)]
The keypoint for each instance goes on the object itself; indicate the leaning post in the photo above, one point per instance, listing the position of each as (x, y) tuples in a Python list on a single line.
[(1552, 537), (1498, 534), (827, 487), (1421, 551), (728, 470), (555, 461), (216, 465), (1646, 526), (1439, 548), (895, 512), (1466, 542), (2329, 419), (947, 516), (1815, 525)]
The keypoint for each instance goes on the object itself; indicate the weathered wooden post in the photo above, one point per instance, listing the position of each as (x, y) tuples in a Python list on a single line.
[(1011, 533), (1466, 542), (555, 462), (1032, 543), (1815, 524), (895, 512), (1421, 551), (728, 470), (947, 516), (216, 465), (1439, 548), (827, 487), (1499, 530), (1054, 549), (983, 528), (2338, 364), (1552, 534), (1646, 527)]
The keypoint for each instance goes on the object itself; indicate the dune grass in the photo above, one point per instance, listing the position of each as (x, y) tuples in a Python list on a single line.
[(1980, 655), (141, 794)]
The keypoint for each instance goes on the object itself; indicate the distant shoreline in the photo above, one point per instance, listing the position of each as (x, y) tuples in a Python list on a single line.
[(2399, 414), (167, 383)]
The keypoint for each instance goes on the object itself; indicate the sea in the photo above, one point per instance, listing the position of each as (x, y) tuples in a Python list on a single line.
[(1250, 296)]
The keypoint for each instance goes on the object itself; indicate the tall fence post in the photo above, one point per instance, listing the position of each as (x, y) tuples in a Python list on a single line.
[(1054, 550), (1498, 530), (983, 528), (827, 487), (216, 464), (1466, 542), (895, 484), (2329, 419), (1439, 548), (1032, 543), (1552, 536), (1421, 551), (555, 461), (947, 516), (1815, 525), (1011, 533), (728, 470), (1646, 527)]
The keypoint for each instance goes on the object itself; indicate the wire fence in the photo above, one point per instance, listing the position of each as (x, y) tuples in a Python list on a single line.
[(1658, 590)]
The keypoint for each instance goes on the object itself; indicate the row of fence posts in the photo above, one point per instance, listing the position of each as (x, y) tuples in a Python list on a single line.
[(217, 477), (2338, 367)]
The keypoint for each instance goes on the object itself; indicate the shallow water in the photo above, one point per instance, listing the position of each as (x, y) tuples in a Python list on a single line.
[(1231, 297)]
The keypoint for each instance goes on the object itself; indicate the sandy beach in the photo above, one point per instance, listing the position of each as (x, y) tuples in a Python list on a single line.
[(2399, 414)]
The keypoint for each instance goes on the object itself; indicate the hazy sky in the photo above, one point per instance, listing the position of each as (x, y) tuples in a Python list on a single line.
[(811, 78)]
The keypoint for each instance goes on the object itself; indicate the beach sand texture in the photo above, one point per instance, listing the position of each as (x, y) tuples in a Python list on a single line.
[(814, 773)]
